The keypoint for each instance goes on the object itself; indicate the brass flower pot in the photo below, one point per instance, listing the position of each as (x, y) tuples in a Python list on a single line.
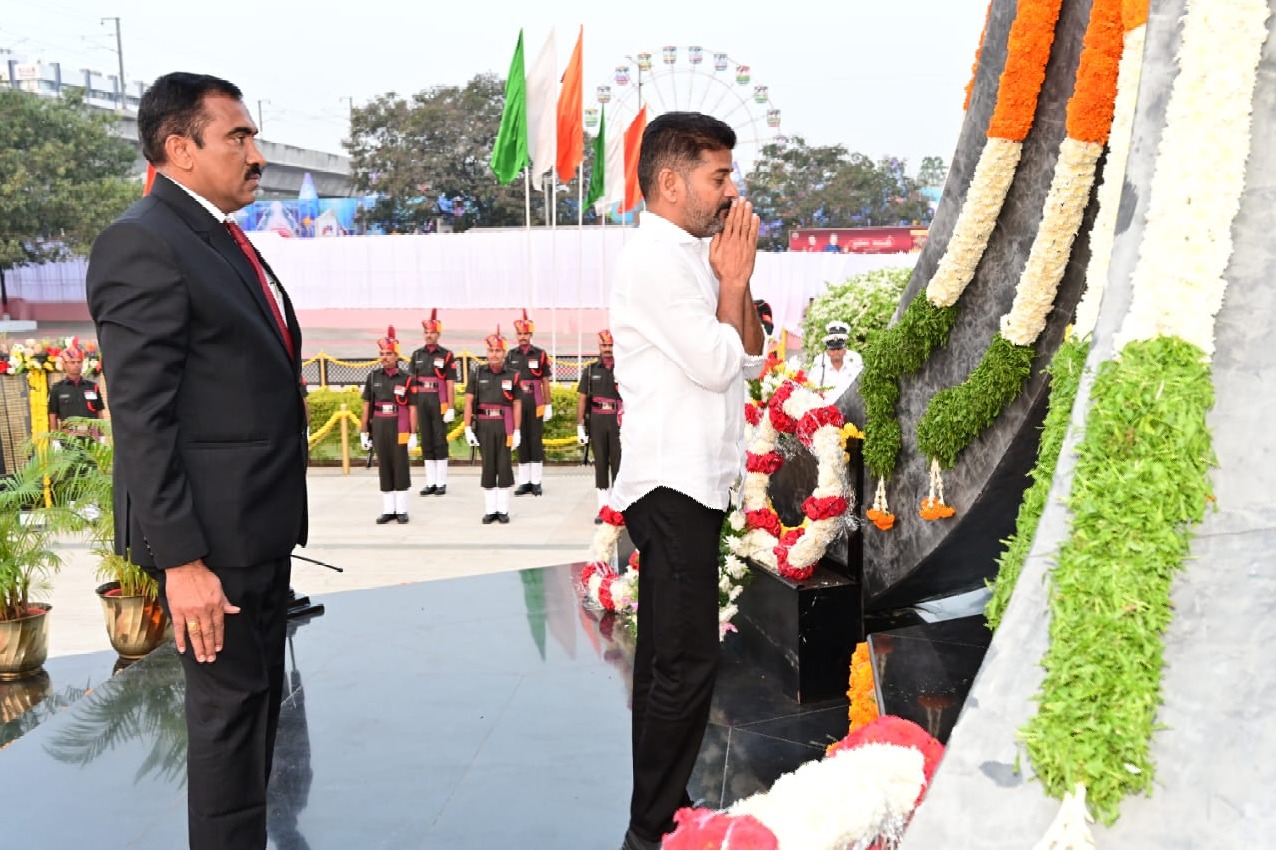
[(136, 625), (24, 644)]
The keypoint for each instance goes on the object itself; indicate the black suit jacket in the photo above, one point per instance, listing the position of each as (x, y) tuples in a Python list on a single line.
[(206, 403)]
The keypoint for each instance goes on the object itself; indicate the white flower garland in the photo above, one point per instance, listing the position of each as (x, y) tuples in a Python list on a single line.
[(1052, 246), (617, 591), (1103, 232), (987, 193), (1178, 282), (827, 444), (846, 800)]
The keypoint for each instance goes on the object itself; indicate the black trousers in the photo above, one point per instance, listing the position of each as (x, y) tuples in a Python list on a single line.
[(392, 456), (429, 418), (498, 471), (676, 659), (232, 711), (604, 434), (532, 428)]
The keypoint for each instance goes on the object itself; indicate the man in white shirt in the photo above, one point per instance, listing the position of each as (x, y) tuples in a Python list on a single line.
[(687, 338), (836, 369)]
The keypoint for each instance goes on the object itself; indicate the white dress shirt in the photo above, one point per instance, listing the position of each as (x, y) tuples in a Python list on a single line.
[(681, 372), (223, 218), (831, 380)]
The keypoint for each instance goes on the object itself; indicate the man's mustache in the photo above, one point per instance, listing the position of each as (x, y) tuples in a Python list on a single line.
[(253, 171)]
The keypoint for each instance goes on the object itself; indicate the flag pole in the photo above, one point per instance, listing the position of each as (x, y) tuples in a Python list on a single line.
[(553, 265), (527, 236), (580, 258)]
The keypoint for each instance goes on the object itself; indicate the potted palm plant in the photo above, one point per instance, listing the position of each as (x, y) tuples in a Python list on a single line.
[(135, 621), (26, 562)]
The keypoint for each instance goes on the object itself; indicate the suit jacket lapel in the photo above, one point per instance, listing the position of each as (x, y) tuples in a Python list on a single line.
[(218, 237)]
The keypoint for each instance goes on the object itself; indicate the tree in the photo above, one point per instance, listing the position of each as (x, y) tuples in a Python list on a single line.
[(427, 156), (795, 185), (933, 172), (63, 177)]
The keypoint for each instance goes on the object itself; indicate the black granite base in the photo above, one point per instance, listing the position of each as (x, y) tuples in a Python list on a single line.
[(924, 672), (802, 633), (487, 712)]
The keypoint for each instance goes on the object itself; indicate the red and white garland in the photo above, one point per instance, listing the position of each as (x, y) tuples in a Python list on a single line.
[(616, 591), (798, 411)]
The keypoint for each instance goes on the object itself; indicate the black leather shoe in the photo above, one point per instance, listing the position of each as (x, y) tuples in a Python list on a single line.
[(488, 519), (440, 490), (536, 489), (634, 841), (384, 518), (429, 491), (523, 489), (503, 517), (403, 518)]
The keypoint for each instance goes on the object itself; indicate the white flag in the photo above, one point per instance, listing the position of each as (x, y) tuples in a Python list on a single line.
[(614, 176), (542, 111)]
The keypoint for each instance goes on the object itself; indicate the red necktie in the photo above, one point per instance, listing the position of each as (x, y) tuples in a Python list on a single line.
[(241, 239)]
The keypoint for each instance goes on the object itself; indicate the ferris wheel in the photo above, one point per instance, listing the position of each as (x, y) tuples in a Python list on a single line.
[(692, 79)]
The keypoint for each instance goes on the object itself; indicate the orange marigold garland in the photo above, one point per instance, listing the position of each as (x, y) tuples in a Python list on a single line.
[(974, 66), (1089, 116), (880, 513), (1027, 52), (862, 692)]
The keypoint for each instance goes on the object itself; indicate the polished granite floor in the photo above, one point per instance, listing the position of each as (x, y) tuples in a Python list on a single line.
[(486, 712)]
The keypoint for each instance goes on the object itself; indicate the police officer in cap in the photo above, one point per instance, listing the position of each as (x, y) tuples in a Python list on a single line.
[(387, 409), (74, 395), (433, 370), (493, 409), (599, 400), (534, 373)]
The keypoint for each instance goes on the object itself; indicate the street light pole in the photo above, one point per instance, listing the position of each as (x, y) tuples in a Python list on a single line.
[(119, 53), (260, 124)]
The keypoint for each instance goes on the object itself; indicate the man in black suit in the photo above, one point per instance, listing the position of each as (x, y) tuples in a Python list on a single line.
[(201, 346)]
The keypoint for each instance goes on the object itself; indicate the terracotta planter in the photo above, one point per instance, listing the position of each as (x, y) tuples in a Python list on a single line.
[(136, 625), (24, 643)]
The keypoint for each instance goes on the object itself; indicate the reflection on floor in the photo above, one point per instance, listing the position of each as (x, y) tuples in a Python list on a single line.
[(486, 712)]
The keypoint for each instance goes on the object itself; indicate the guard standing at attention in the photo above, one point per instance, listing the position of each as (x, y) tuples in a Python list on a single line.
[(598, 418), (392, 433), (534, 374), (493, 408), (433, 370)]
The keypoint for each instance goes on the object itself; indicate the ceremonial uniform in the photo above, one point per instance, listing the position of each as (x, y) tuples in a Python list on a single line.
[(388, 425), (532, 365), (434, 371), (494, 394), (493, 403), (387, 393), (602, 407)]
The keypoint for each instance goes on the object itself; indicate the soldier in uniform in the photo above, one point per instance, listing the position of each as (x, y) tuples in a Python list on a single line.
[(75, 395), (493, 411), (600, 401), (433, 370), (387, 408), (534, 373)]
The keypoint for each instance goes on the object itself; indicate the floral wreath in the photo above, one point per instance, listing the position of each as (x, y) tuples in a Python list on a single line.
[(617, 591), (799, 411)]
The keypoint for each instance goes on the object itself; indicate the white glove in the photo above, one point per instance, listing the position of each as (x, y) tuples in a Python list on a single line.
[(470, 438), (365, 440), (56, 444), (412, 441), (581, 437), (449, 415), (518, 438), (549, 413)]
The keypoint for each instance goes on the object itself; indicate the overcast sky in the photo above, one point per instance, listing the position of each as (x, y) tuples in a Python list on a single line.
[(880, 78)]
